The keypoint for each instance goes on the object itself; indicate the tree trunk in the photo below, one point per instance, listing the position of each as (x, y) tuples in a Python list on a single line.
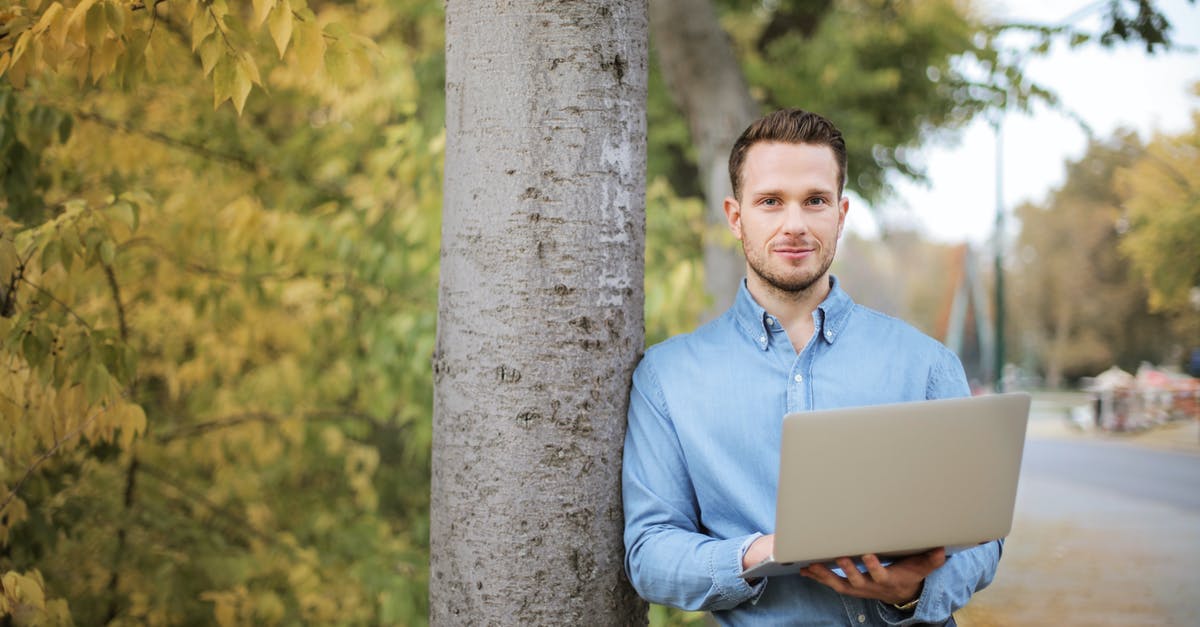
[(540, 311), (707, 84)]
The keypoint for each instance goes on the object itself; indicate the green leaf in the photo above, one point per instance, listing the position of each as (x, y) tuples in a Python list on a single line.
[(124, 213), (108, 252), (95, 382), (33, 349), (51, 254), (65, 124)]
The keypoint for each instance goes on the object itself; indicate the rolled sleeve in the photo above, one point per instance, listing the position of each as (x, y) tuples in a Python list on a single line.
[(949, 588)]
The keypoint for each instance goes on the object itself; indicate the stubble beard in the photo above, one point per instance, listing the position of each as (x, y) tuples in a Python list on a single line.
[(785, 285)]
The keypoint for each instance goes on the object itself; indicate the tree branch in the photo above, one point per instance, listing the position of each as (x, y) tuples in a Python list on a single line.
[(238, 523), (54, 298), (234, 420), (237, 161), (46, 455), (116, 294)]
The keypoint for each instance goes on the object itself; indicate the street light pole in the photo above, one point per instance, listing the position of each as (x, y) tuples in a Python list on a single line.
[(998, 330)]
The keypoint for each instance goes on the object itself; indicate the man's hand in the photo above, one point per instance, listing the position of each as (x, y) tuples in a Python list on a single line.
[(759, 550), (897, 583)]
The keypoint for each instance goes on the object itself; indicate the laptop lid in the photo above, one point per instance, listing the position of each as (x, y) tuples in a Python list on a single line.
[(898, 479)]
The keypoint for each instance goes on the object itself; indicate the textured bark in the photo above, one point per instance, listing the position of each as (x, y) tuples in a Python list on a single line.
[(706, 82), (540, 311)]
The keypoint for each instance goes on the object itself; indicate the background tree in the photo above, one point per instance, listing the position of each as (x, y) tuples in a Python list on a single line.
[(540, 311), (215, 327), (1078, 304), (1160, 194)]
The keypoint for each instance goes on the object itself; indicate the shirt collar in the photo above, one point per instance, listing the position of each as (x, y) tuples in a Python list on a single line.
[(757, 324)]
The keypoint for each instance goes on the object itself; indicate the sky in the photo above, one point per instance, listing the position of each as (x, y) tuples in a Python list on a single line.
[(1110, 88)]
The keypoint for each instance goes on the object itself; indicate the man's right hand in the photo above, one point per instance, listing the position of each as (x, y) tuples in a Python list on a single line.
[(759, 550)]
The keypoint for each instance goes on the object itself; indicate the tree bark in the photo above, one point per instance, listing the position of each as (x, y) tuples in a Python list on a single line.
[(540, 311), (706, 82)]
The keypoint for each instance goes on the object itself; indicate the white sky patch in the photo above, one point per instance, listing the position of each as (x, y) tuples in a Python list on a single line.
[(1110, 88)]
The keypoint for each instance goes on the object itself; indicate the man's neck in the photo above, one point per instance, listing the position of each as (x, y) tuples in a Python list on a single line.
[(793, 310)]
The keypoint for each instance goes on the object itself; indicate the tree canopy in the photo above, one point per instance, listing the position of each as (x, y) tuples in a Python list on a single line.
[(219, 251)]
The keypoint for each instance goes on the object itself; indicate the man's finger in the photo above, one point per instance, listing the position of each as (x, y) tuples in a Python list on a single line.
[(851, 572), (875, 567)]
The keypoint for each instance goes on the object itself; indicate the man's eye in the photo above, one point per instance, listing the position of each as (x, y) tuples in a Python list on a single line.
[(817, 201), (771, 202)]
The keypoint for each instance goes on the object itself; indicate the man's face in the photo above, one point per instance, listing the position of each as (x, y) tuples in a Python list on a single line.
[(790, 214)]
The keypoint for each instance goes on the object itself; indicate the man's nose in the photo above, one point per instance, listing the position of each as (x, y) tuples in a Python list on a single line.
[(794, 220)]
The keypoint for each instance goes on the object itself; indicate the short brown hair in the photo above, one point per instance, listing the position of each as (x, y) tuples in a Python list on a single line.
[(788, 126)]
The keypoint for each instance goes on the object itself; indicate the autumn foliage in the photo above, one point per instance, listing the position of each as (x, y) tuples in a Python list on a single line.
[(215, 321)]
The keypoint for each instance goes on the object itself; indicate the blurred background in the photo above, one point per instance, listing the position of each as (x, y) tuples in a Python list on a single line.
[(219, 250)]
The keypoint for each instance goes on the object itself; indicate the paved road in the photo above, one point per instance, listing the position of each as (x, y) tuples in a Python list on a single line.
[(1104, 534), (1158, 476)]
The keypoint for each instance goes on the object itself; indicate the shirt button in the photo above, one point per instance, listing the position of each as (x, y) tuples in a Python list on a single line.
[(862, 618), (770, 322), (799, 378), (829, 335), (762, 338)]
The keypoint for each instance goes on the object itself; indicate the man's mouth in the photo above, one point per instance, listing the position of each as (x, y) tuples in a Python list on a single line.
[(793, 252)]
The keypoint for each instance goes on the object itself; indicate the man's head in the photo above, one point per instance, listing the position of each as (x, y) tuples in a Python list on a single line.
[(788, 171), (788, 126)]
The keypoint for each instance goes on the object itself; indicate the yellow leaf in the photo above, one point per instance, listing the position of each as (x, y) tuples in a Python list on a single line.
[(241, 87), (81, 11), (202, 27), (281, 26), (22, 44), (96, 25), (4, 61), (210, 52), (48, 18), (115, 14), (310, 47), (261, 8), (17, 72), (246, 63), (104, 60), (132, 420), (337, 63), (59, 28), (223, 77)]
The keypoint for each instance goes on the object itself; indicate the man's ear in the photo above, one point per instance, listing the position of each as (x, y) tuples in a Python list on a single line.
[(733, 216), (843, 209)]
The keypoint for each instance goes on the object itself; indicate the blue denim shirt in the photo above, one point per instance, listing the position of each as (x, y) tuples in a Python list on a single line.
[(702, 457)]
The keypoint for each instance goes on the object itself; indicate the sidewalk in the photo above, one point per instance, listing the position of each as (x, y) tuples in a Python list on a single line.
[(1051, 417)]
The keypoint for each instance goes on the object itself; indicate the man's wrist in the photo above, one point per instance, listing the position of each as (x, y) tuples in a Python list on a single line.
[(908, 606)]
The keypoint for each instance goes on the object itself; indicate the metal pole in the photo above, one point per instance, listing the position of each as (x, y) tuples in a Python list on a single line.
[(998, 353)]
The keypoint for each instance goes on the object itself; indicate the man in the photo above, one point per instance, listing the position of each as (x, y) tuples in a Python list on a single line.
[(702, 447)]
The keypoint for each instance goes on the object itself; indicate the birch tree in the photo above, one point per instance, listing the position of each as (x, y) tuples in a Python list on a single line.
[(540, 311)]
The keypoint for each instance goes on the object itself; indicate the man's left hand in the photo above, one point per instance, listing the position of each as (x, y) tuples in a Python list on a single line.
[(897, 583)]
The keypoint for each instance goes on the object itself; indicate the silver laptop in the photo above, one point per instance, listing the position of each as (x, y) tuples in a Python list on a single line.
[(896, 479)]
